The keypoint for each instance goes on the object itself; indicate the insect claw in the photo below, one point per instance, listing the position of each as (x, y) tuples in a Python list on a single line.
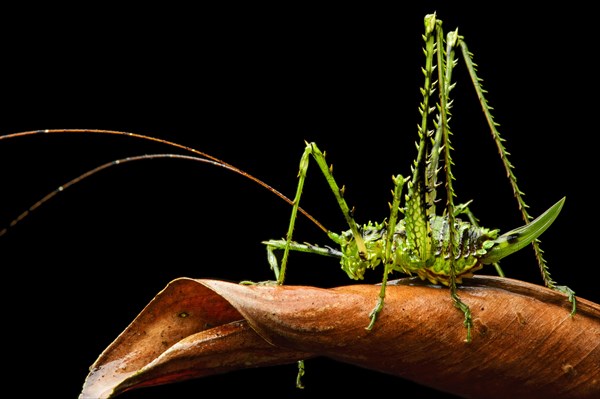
[(570, 295), (300, 374), (374, 313)]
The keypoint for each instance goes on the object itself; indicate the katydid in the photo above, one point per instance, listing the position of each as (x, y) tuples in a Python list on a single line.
[(414, 239), (440, 248)]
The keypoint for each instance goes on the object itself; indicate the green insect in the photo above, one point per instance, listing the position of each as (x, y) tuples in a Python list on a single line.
[(443, 249), (414, 239)]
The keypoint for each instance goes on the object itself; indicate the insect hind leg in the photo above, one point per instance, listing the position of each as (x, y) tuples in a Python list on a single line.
[(518, 194)]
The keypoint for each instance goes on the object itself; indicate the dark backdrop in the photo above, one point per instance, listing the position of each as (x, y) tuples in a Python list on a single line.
[(249, 85)]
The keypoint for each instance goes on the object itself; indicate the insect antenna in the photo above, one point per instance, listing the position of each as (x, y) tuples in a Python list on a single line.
[(199, 157)]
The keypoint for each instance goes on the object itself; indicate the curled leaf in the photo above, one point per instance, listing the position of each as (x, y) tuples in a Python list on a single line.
[(525, 343), (187, 331)]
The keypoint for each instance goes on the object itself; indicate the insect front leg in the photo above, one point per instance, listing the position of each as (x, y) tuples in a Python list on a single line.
[(272, 259), (354, 262), (312, 150), (364, 258)]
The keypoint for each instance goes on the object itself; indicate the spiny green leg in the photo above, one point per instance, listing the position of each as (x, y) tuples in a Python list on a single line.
[(272, 259), (548, 282), (299, 383), (420, 199), (459, 304), (338, 192), (391, 228), (444, 79), (288, 238), (272, 245), (280, 272), (312, 149)]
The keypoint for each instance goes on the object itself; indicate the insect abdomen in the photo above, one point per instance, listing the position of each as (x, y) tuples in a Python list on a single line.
[(437, 266)]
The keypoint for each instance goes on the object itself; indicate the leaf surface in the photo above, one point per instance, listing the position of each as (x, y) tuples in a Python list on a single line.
[(525, 343)]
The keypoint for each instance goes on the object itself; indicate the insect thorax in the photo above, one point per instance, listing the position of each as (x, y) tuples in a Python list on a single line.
[(433, 265)]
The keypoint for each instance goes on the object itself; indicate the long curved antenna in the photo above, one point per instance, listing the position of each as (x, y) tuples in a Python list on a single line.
[(201, 157)]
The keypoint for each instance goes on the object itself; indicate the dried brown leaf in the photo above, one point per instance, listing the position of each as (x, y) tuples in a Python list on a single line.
[(525, 343)]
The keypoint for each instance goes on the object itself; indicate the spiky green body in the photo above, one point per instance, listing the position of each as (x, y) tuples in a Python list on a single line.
[(473, 243), (475, 247)]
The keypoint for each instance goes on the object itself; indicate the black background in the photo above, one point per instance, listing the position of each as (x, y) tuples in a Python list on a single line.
[(249, 84)]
